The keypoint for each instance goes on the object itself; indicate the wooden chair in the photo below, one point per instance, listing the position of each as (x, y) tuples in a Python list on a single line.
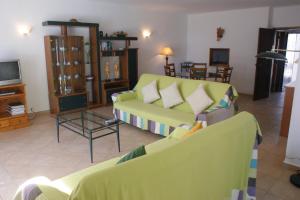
[(185, 69), (198, 73), (223, 74), (170, 70), (200, 65)]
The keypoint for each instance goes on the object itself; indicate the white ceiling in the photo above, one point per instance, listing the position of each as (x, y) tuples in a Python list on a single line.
[(191, 6)]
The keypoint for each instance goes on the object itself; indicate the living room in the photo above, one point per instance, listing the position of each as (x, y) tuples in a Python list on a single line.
[(190, 29)]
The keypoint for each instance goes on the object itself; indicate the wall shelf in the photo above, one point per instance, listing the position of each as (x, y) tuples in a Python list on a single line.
[(64, 23), (118, 38)]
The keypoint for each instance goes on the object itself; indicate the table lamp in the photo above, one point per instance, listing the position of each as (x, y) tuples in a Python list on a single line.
[(166, 51)]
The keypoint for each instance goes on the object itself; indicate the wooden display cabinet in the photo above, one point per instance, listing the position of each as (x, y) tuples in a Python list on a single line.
[(8, 121), (78, 98), (127, 59), (91, 90), (66, 73)]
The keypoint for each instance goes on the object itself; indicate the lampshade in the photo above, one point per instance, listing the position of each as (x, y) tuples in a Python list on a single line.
[(166, 51), (271, 55)]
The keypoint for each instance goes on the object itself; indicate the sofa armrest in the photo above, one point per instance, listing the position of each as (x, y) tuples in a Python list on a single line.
[(216, 114), (123, 96)]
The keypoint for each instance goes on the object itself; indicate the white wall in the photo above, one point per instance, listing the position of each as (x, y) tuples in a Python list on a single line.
[(293, 145), (168, 29), (241, 36), (287, 17)]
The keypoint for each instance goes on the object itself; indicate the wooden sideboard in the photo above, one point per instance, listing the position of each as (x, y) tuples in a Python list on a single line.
[(8, 121), (287, 110)]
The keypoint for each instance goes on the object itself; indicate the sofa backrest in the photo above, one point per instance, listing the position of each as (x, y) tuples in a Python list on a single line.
[(215, 90), (207, 165)]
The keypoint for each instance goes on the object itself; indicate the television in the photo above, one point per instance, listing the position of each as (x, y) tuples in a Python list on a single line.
[(219, 57), (10, 72)]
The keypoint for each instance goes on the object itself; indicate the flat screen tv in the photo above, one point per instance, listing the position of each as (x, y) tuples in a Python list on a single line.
[(219, 57), (10, 72)]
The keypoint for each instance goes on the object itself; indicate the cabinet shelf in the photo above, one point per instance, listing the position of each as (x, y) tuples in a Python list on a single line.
[(115, 52), (11, 96), (114, 82), (71, 94), (6, 115)]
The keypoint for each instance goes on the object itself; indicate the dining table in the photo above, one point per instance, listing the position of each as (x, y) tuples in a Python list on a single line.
[(185, 71)]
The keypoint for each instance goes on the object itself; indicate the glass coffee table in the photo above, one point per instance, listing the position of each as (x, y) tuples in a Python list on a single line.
[(90, 125)]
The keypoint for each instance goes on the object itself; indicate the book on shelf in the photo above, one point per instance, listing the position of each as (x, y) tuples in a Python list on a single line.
[(16, 108)]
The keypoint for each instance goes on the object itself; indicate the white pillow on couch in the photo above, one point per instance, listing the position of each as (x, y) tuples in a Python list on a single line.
[(150, 93), (171, 96), (199, 100)]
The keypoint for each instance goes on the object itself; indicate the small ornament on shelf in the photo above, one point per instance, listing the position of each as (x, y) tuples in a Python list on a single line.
[(120, 34), (107, 71), (73, 20), (75, 49), (87, 50), (116, 71), (60, 78), (76, 76)]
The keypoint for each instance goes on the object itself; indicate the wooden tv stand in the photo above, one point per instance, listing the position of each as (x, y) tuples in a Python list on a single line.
[(8, 121)]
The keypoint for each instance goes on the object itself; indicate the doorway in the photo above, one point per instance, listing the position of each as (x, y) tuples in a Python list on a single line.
[(271, 74), (293, 57)]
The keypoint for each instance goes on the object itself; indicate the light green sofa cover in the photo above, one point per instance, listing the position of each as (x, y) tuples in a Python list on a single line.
[(130, 108), (216, 163)]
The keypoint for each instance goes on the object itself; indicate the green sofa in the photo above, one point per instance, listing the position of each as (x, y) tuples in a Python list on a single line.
[(130, 108), (215, 163)]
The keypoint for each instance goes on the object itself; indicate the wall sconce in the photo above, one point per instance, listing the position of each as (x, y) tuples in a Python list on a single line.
[(146, 33), (24, 29)]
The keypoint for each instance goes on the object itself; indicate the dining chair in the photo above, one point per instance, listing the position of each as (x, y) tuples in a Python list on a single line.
[(170, 70), (223, 74), (185, 69), (198, 73), (200, 65)]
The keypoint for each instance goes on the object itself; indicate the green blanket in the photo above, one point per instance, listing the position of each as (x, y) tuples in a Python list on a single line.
[(209, 165)]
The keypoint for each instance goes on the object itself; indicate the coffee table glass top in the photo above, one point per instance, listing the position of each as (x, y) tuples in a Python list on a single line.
[(88, 124), (90, 121)]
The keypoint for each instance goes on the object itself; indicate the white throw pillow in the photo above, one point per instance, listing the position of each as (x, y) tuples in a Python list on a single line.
[(199, 100), (171, 96), (150, 93)]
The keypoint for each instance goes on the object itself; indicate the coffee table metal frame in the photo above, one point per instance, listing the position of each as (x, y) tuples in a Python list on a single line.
[(72, 124)]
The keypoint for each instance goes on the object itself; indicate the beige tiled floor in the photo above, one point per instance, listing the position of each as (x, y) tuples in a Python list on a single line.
[(33, 151), (273, 174)]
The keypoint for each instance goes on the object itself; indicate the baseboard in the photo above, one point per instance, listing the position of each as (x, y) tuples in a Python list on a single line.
[(294, 162)]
